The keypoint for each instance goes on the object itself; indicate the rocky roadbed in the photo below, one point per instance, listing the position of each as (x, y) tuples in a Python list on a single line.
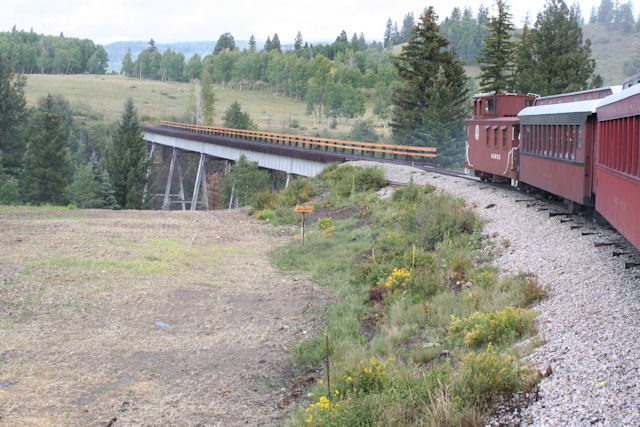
[(589, 324)]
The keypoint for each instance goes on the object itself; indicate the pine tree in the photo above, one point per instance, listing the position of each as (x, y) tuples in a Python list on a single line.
[(84, 191), (9, 190), (297, 44), (252, 43), (558, 60), (388, 33), (12, 116), (47, 169), (127, 64), (275, 43), (225, 41), (107, 193), (127, 160), (430, 109), (497, 59), (235, 118)]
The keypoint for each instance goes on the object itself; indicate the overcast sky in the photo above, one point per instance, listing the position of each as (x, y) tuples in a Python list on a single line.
[(106, 21)]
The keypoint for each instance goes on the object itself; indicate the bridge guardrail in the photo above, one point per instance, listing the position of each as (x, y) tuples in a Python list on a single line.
[(364, 149)]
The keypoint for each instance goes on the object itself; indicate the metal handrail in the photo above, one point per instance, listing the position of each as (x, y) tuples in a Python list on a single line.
[(310, 142)]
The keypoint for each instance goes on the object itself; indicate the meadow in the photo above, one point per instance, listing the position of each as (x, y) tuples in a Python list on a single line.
[(156, 100)]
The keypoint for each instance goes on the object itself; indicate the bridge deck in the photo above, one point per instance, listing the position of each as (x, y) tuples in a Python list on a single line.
[(302, 155)]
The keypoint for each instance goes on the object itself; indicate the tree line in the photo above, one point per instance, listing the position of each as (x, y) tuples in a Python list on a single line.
[(28, 52), (56, 153), (615, 15), (333, 80)]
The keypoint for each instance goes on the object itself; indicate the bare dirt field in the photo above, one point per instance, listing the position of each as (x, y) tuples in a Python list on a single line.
[(147, 318)]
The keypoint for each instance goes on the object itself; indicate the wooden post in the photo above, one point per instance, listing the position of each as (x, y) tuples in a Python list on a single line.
[(326, 343), (303, 210)]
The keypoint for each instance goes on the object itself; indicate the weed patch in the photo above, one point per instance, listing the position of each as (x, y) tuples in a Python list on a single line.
[(409, 291)]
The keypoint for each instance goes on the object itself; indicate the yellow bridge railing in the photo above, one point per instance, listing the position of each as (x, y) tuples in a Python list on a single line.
[(365, 149)]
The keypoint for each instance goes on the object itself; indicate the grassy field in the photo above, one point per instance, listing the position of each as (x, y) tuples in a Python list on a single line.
[(157, 100), (145, 318)]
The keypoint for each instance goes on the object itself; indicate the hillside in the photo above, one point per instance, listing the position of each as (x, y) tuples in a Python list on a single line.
[(156, 100), (610, 50)]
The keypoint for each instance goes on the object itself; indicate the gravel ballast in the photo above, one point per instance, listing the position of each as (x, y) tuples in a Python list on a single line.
[(589, 324)]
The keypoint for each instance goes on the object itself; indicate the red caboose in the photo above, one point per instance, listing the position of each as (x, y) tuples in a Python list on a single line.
[(492, 147), (617, 169)]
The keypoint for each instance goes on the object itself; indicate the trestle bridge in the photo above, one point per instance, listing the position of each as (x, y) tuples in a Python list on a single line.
[(292, 154)]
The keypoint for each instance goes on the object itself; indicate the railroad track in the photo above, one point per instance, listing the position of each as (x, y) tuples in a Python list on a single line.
[(585, 220)]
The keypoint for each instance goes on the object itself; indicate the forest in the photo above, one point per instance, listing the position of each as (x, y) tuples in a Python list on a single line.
[(28, 52)]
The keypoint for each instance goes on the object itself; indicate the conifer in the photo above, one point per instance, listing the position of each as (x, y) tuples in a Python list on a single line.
[(47, 169), (497, 59), (127, 160), (429, 110), (558, 59)]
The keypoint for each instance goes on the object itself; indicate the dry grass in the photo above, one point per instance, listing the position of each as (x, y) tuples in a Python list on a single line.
[(80, 300)]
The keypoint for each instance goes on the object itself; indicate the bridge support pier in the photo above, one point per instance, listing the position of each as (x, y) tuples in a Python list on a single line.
[(146, 177), (286, 184), (167, 192), (201, 183), (181, 184)]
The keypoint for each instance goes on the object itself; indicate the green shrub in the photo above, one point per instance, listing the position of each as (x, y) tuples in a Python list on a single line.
[(390, 248), (265, 198), (424, 283), (346, 180), (299, 191), (495, 327), (412, 192), (436, 217), (485, 374), (266, 214), (326, 226)]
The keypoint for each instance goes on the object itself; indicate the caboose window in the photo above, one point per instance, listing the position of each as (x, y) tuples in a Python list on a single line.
[(603, 94), (488, 106), (589, 96), (495, 136), (504, 136), (487, 134)]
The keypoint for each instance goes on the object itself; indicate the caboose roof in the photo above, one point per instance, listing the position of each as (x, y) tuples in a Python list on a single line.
[(626, 93), (614, 89), (559, 114)]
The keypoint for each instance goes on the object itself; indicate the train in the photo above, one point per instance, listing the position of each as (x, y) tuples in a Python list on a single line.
[(583, 147)]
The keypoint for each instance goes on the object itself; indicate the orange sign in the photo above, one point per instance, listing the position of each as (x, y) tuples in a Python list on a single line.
[(306, 209)]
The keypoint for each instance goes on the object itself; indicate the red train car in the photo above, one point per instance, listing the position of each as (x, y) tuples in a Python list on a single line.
[(494, 135), (557, 143), (617, 168)]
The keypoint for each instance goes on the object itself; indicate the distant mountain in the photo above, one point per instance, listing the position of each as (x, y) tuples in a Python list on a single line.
[(118, 50)]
